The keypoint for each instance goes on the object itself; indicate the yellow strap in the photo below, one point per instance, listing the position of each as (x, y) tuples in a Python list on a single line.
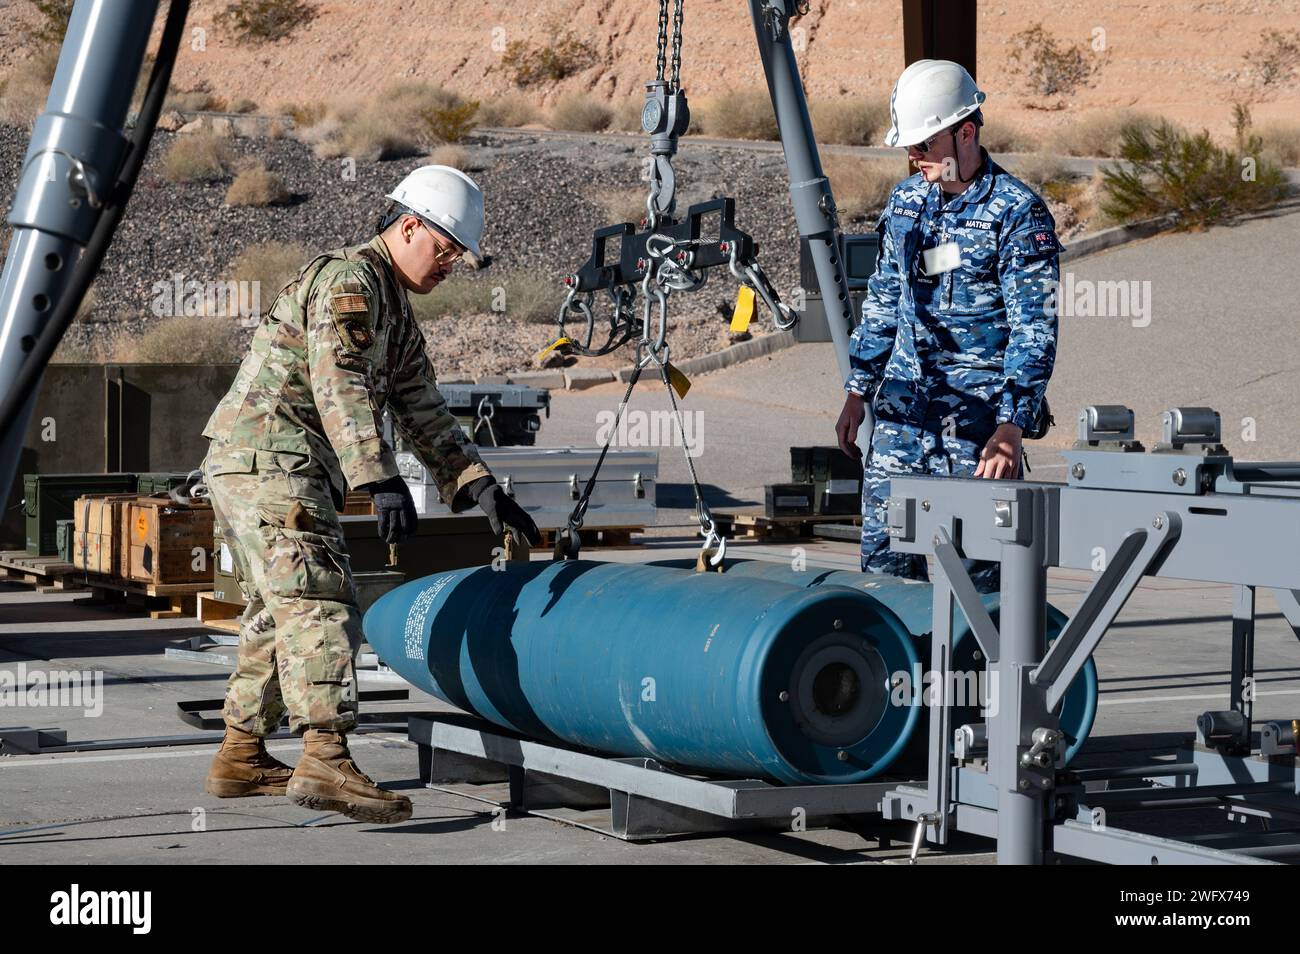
[(744, 313), (680, 382), (553, 345)]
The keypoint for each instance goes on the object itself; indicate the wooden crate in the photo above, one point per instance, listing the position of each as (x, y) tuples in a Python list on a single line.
[(160, 541), (357, 503), (96, 538)]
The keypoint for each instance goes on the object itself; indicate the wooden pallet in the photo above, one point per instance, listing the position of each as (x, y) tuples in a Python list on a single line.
[(45, 573), (162, 600), (608, 537), (218, 614), (756, 525)]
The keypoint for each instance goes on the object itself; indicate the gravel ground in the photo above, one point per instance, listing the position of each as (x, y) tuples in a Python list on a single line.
[(544, 201)]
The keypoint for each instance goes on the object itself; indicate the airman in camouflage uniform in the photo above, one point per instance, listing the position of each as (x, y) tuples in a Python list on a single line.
[(954, 358), (301, 423)]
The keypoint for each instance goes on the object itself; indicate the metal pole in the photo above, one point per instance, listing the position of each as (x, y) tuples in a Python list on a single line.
[(814, 206), (75, 153), (1023, 626)]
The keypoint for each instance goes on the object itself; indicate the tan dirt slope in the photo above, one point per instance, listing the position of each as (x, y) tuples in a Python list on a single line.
[(1181, 58)]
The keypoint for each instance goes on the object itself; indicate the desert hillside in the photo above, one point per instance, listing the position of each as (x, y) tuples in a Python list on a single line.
[(1186, 59)]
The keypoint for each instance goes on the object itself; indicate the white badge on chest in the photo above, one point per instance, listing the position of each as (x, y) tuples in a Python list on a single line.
[(941, 258)]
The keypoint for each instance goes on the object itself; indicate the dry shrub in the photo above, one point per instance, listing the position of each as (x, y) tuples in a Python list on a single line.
[(24, 91), (740, 114), (450, 155), (562, 54), (526, 296), (1281, 142), (264, 21), (270, 265), (243, 106), (196, 157), (257, 186), (510, 110), (625, 204), (197, 340), (1100, 134), (1039, 170), (303, 114), (856, 121), (861, 186), (403, 120), (580, 112), (1003, 137)]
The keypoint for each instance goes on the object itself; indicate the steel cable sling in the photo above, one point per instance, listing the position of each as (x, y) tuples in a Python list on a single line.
[(669, 255)]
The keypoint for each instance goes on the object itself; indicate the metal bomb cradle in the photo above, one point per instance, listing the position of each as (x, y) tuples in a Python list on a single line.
[(1183, 510)]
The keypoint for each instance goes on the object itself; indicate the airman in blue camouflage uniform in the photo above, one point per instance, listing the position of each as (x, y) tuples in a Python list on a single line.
[(958, 330)]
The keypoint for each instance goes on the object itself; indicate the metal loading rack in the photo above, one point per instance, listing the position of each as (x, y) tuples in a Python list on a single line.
[(1183, 510)]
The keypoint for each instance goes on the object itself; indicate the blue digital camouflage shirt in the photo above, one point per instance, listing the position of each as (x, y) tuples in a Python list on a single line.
[(980, 336)]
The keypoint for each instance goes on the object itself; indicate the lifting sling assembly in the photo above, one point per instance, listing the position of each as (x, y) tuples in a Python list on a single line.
[(672, 255)]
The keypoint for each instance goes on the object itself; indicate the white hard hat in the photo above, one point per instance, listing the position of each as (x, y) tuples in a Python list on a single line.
[(930, 95), (449, 199)]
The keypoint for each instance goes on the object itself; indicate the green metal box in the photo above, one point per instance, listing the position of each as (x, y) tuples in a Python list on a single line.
[(48, 498), (65, 535), (160, 482), (836, 478)]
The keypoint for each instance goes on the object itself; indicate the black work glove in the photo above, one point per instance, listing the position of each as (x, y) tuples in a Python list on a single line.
[(394, 508), (502, 511)]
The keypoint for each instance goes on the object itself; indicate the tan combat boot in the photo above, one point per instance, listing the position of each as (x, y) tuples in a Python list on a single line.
[(242, 766), (327, 780)]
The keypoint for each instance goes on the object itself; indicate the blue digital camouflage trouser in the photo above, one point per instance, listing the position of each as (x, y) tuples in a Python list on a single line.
[(941, 445)]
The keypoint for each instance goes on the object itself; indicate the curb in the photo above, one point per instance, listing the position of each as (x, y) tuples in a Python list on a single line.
[(561, 380), (717, 360), (1114, 237)]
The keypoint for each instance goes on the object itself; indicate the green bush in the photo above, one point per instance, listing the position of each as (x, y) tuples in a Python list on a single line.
[(451, 122), (1173, 172), (263, 21)]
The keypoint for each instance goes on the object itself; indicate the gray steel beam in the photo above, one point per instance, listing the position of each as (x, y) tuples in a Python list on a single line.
[(810, 190), (1102, 603), (1120, 847), (72, 162)]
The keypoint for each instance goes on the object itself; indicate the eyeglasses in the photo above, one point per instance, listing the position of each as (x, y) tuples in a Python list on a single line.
[(447, 256)]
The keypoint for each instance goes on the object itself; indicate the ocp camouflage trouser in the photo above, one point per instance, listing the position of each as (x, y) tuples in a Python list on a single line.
[(905, 448), (300, 632)]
